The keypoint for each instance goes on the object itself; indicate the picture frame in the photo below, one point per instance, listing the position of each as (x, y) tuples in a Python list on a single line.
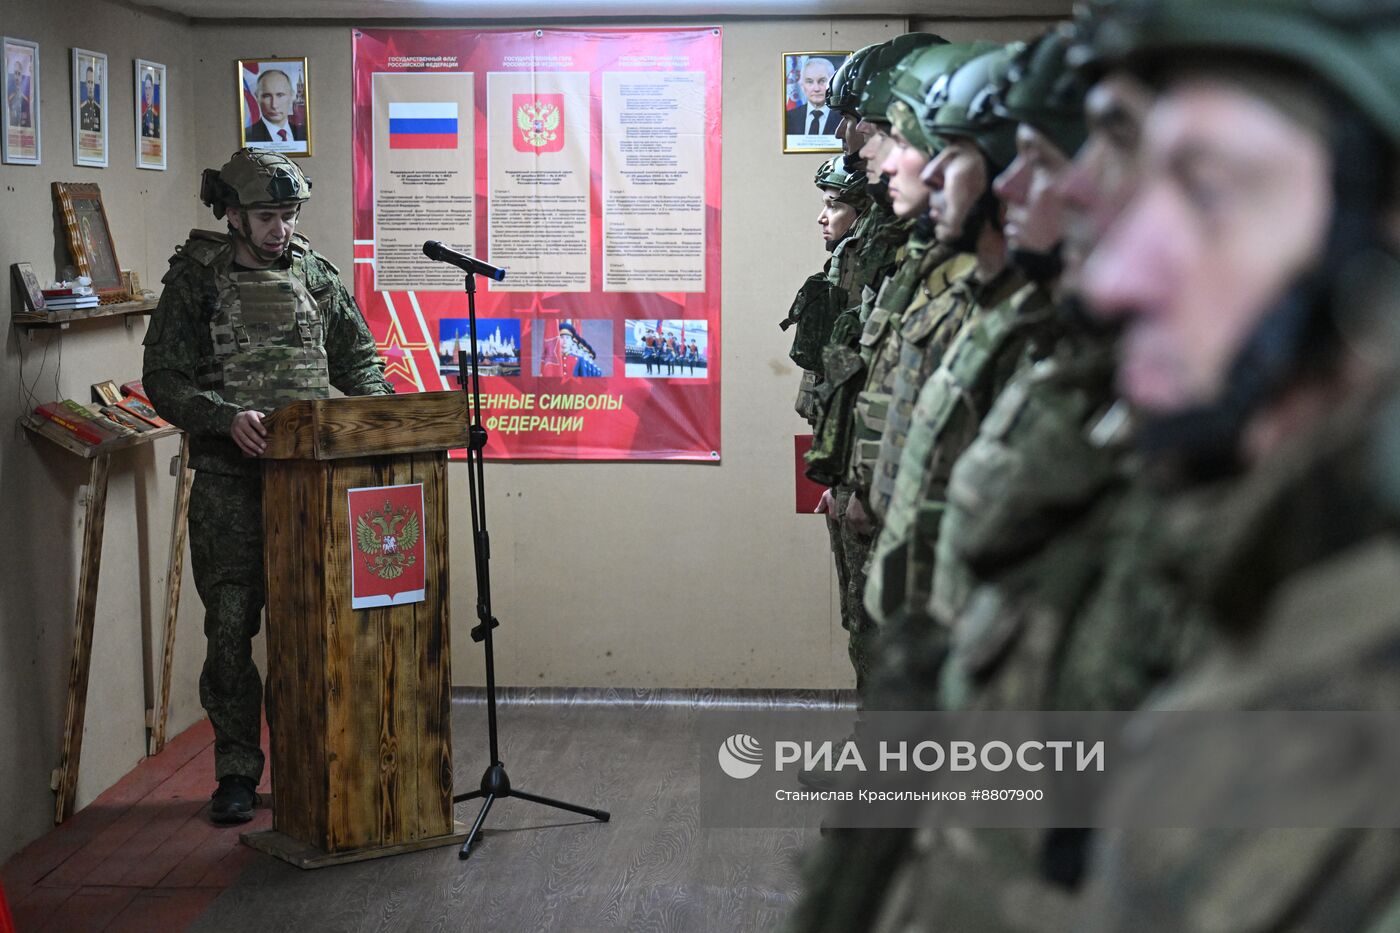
[(106, 392), (90, 111), (22, 141), (28, 286), (152, 111), (806, 77), (274, 99), (90, 238)]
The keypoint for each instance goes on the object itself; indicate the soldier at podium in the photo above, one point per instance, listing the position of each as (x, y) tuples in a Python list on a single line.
[(249, 320)]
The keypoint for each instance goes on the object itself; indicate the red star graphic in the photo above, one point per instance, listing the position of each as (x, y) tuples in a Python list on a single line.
[(395, 352)]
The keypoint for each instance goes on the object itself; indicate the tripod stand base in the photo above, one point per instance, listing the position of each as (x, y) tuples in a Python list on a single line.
[(306, 856), (495, 785)]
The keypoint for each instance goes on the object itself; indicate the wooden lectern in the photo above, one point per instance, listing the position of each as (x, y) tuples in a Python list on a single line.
[(358, 699)]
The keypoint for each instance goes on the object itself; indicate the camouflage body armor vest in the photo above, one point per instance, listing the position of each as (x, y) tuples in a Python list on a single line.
[(267, 331), (934, 317), (814, 311), (879, 350), (854, 269), (950, 406)]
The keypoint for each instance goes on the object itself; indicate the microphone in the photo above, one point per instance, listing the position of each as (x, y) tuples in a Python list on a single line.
[(436, 251)]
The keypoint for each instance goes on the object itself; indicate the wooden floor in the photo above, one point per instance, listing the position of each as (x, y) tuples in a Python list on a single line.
[(144, 857)]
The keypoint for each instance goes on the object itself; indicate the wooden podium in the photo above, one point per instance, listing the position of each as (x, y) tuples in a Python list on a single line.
[(358, 699)]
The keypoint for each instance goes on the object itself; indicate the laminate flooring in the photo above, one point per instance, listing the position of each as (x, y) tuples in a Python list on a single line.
[(653, 867)]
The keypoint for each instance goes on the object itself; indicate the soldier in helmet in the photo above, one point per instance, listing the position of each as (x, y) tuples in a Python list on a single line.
[(249, 320), (1000, 317), (859, 263), (1254, 275)]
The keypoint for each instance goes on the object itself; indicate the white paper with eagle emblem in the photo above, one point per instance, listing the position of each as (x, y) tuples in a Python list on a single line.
[(538, 179), (387, 553)]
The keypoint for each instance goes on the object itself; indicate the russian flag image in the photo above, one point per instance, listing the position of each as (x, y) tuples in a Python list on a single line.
[(422, 125)]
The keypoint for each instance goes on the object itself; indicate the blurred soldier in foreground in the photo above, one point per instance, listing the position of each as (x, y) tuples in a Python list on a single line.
[(1255, 279), (249, 320)]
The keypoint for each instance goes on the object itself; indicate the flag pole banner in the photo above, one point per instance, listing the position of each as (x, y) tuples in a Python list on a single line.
[(587, 164)]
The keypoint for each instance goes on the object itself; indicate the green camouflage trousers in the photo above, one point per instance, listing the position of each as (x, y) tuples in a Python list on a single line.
[(226, 558), (852, 550)]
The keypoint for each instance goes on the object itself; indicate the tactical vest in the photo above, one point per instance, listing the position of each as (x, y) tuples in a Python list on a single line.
[(267, 332), (949, 408), (877, 241), (934, 316), (879, 348), (1031, 471), (813, 313)]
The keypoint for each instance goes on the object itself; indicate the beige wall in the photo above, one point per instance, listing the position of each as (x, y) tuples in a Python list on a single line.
[(39, 484), (617, 574)]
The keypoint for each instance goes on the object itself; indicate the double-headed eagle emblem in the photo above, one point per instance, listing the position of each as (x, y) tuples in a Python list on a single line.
[(387, 539), (538, 122)]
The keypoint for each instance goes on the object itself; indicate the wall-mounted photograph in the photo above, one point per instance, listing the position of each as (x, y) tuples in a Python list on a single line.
[(274, 105), (21, 139), (89, 108), (809, 122), (151, 114)]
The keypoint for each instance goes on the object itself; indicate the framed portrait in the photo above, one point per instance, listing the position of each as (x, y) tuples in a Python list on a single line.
[(151, 114), (21, 139), (89, 108), (809, 123), (274, 105), (90, 238)]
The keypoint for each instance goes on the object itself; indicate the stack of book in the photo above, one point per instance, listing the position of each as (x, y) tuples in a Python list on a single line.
[(69, 297), (96, 424)]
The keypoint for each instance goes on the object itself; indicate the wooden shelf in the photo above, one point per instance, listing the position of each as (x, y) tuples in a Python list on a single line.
[(66, 439), (61, 318)]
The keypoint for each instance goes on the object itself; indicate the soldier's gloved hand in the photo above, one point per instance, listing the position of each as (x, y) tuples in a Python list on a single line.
[(827, 505), (858, 518), (248, 432)]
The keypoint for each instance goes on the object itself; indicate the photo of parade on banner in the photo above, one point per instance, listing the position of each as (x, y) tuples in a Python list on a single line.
[(568, 348), (667, 349), (809, 123), (497, 345), (274, 102)]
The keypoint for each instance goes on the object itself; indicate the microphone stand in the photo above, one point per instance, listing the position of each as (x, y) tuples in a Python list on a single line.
[(495, 783)]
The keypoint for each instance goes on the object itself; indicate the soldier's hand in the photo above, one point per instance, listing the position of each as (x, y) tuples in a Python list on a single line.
[(858, 518), (248, 433), (827, 505)]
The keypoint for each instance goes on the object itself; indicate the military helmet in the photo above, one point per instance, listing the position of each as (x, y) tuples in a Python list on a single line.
[(913, 77), (837, 174), (879, 72), (1043, 90), (961, 104), (843, 94), (1352, 46), (254, 178)]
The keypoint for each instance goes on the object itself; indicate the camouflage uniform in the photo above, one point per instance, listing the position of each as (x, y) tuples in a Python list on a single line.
[(1049, 535), (221, 341), (1300, 571), (864, 257)]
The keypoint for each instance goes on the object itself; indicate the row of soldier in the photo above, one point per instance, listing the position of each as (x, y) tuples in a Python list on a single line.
[(1100, 374)]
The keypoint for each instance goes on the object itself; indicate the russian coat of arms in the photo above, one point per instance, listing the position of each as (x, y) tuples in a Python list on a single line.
[(538, 122), (387, 537)]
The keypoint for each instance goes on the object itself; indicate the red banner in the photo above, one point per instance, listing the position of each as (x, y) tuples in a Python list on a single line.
[(586, 163)]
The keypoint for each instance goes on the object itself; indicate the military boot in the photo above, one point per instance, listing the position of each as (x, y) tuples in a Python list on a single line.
[(234, 800)]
